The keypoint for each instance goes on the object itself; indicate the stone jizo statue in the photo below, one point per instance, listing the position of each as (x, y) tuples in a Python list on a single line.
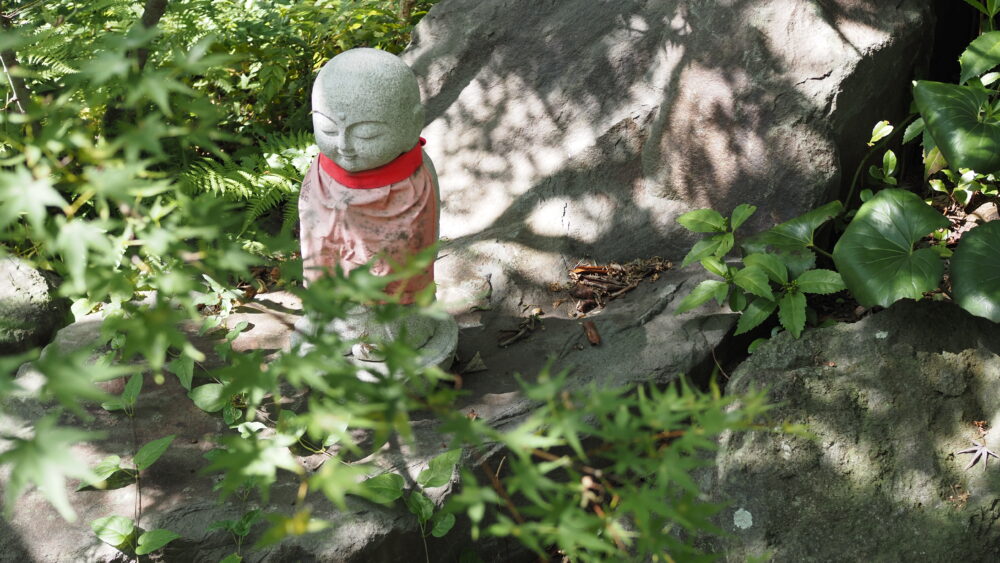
[(371, 196)]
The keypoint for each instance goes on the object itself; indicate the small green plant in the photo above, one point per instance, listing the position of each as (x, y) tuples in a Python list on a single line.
[(239, 529), (388, 487), (122, 533), (777, 267)]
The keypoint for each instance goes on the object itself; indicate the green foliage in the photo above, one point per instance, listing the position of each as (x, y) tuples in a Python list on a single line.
[(121, 533), (963, 121), (627, 493), (777, 267), (975, 270), (876, 254)]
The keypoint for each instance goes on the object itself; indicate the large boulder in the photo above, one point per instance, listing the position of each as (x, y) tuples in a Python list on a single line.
[(30, 311), (890, 401), (584, 128)]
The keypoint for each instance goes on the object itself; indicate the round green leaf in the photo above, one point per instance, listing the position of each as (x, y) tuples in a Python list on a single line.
[(443, 525), (975, 271), (440, 469), (209, 397), (113, 530), (153, 540), (953, 116), (703, 221), (421, 506), (980, 56), (875, 255)]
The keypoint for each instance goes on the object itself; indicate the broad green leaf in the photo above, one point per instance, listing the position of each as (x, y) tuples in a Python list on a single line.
[(440, 469), (879, 132), (975, 271), (933, 162), (149, 453), (705, 247), (726, 243), (876, 256), (822, 282), (714, 265), (889, 163), (132, 389), (756, 312), (443, 525), (153, 540), (113, 530), (232, 558), (183, 367), (383, 488), (755, 281), (742, 212), (954, 116), (913, 130), (737, 300), (106, 468), (980, 56), (45, 460), (799, 232), (792, 312), (702, 293), (769, 263), (703, 221), (209, 397), (420, 506)]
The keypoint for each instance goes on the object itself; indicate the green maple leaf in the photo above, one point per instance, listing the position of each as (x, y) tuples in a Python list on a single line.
[(20, 192), (45, 460)]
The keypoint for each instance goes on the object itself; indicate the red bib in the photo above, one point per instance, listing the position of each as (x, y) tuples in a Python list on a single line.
[(401, 168)]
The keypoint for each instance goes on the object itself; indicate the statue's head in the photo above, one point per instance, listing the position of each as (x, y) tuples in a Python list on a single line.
[(366, 109)]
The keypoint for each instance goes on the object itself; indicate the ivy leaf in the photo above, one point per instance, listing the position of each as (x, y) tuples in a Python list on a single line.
[(113, 530), (440, 469), (875, 255), (755, 281), (702, 293), (153, 540), (975, 271), (756, 312), (149, 453), (703, 221), (980, 56), (792, 312), (420, 505), (383, 488), (822, 282)]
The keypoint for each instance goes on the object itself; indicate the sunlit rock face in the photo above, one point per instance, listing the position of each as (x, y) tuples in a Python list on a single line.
[(579, 128)]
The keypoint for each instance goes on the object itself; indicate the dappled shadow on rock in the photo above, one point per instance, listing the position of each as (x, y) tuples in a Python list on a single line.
[(890, 400)]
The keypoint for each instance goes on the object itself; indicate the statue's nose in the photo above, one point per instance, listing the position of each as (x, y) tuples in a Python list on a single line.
[(343, 142)]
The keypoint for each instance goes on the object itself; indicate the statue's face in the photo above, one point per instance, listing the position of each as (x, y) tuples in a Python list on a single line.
[(360, 129)]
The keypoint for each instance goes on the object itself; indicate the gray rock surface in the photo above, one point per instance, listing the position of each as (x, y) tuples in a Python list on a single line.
[(573, 128), (642, 340), (30, 312), (890, 400)]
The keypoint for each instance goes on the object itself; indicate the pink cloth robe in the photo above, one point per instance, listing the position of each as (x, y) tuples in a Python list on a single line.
[(351, 226)]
